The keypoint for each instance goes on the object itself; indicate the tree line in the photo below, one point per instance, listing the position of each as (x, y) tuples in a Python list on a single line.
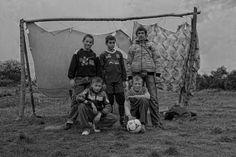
[(217, 79)]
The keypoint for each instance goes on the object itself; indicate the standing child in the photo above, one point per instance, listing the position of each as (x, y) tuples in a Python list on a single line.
[(94, 107), (114, 74), (84, 65), (137, 101), (142, 60)]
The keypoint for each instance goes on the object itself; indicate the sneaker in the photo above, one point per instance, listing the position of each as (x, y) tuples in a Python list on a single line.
[(67, 126), (86, 132), (96, 129), (143, 129)]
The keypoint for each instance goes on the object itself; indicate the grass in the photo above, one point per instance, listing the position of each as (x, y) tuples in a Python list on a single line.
[(212, 133)]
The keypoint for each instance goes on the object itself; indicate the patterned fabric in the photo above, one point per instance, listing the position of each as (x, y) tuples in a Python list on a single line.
[(173, 49)]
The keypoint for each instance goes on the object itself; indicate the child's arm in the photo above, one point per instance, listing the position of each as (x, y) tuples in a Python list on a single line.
[(73, 66), (98, 67), (127, 109), (145, 95), (107, 108), (123, 71), (81, 98), (102, 63), (129, 62)]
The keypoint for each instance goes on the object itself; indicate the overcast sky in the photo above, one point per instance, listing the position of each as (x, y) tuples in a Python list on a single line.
[(216, 24)]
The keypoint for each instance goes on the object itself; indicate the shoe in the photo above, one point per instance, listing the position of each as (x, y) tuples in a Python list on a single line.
[(143, 129), (67, 126), (96, 129), (86, 132)]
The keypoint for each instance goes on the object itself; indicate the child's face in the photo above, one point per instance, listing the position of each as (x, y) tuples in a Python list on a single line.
[(111, 44), (137, 85), (96, 86), (141, 35), (88, 42)]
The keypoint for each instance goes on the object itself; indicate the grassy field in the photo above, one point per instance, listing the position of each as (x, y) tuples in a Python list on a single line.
[(211, 134)]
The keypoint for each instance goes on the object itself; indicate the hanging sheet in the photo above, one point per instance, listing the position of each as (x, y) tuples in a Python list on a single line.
[(52, 53), (173, 49)]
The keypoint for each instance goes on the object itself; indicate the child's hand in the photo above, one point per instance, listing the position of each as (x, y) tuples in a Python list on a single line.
[(130, 83), (72, 82), (98, 117), (124, 84), (131, 117), (95, 111)]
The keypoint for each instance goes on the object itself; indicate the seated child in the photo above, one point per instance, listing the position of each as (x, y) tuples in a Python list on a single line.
[(137, 101), (94, 107)]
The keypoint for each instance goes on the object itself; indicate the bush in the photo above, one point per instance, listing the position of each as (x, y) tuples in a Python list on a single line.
[(10, 73), (5, 83), (219, 79), (10, 70)]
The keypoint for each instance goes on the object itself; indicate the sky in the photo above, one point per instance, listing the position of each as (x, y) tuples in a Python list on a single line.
[(216, 24)]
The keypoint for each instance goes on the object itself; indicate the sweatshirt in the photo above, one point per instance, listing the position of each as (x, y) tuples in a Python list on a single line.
[(112, 65), (83, 64)]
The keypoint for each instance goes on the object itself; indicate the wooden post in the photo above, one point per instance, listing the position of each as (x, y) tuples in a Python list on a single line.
[(21, 107), (185, 91), (29, 78)]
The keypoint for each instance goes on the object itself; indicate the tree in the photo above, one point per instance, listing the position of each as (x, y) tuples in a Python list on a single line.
[(10, 70), (219, 77), (230, 82)]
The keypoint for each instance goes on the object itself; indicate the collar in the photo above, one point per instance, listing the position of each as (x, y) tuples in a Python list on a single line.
[(114, 50), (141, 42)]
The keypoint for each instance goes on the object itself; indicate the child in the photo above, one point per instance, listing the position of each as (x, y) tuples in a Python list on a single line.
[(84, 65), (114, 74), (137, 101), (94, 107), (143, 60)]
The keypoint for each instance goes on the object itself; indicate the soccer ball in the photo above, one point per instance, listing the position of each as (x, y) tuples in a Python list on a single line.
[(134, 126)]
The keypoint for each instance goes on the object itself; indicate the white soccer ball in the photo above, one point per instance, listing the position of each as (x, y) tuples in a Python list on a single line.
[(134, 126)]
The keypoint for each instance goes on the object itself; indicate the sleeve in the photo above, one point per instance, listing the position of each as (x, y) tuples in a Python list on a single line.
[(98, 67), (146, 93), (123, 70), (80, 98), (155, 57), (102, 63), (129, 62), (107, 105), (73, 66)]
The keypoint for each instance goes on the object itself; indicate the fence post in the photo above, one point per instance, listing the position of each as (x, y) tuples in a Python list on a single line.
[(21, 106)]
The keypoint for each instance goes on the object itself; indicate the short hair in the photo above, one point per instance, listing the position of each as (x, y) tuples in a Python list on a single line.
[(137, 78), (109, 37), (141, 28), (88, 36), (97, 80)]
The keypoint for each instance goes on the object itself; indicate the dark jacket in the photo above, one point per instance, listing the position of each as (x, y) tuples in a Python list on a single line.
[(112, 65), (84, 63), (100, 100)]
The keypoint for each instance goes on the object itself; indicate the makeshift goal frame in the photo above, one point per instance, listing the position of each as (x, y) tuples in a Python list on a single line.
[(184, 93)]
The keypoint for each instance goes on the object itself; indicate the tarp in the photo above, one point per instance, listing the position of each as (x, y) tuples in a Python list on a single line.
[(52, 53), (173, 49)]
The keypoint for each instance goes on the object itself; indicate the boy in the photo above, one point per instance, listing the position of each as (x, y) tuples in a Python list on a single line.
[(84, 65), (114, 74), (142, 60), (137, 101), (94, 107)]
